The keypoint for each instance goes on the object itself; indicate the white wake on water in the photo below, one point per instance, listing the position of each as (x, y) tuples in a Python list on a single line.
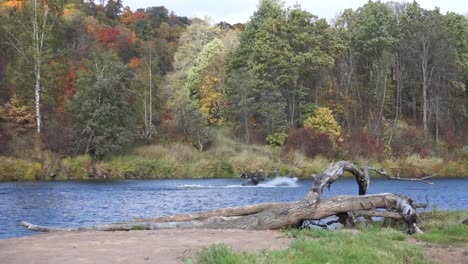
[(280, 182), (269, 183)]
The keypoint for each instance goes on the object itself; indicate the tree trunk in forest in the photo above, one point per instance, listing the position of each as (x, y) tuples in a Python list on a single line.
[(280, 215), (38, 42)]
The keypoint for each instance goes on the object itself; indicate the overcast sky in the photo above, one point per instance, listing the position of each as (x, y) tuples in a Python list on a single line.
[(233, 11)]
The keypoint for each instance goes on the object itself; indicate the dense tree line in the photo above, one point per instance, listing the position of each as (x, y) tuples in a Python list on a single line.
[(387, 79)]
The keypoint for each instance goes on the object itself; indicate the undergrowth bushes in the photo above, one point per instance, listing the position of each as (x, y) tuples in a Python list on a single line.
[(415, 166), (225, 158), (15, 169)]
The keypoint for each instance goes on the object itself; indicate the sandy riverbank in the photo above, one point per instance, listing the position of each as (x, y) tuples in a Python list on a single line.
[(161, 246)]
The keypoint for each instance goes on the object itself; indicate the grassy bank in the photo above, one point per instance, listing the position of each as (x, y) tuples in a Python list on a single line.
[(366, 245), (225, 158)]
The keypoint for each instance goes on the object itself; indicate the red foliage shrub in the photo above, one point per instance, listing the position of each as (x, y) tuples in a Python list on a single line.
[(108, 37), (139, 15), (167, 116), (68, 83), (450, 138), (424, 152), (310, 142), (409, 141), (362, 144), (119, 39)]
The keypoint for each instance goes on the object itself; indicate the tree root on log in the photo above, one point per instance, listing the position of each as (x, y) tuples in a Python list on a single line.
[(279, 215)]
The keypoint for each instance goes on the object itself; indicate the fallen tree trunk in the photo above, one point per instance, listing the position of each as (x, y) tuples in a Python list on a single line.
[(280, 215)]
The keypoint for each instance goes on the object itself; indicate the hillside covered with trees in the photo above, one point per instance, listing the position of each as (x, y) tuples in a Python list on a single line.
[(87, 87)]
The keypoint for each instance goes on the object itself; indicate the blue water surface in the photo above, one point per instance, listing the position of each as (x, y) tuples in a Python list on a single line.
[(71, 203)]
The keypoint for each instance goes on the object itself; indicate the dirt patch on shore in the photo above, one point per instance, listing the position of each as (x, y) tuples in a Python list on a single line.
[(161, 246), (444, 255)]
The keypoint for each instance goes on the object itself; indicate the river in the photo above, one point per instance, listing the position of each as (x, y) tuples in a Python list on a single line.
[(72, 203)]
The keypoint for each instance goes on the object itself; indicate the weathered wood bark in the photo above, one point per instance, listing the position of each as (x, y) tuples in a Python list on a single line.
[(280, 215)]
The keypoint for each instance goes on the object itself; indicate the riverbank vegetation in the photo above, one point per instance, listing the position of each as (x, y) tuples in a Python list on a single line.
[(94, 91), (377, 244), (226, 158)]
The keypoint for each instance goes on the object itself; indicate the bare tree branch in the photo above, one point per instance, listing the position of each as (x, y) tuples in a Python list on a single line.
[(398, 178)]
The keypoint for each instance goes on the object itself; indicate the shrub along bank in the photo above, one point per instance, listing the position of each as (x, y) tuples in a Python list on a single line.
[(223, 160)]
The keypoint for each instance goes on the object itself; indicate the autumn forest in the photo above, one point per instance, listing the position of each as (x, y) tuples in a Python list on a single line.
[(101, 90)]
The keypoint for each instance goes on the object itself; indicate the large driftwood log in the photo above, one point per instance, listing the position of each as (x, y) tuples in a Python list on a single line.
[(280, 215)]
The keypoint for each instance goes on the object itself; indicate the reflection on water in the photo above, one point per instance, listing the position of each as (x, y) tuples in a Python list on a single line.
[(89, 203)]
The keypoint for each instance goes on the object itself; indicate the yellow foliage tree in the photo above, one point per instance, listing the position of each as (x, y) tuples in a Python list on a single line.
[(324, 122), (16, 4), (127, 16), (20, 115), (212, 99), (134, 63)]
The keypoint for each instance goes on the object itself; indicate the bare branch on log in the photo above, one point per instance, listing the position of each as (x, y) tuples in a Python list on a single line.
[(398, 178)]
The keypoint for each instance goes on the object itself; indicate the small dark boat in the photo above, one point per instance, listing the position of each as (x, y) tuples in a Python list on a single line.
[(253, 179)]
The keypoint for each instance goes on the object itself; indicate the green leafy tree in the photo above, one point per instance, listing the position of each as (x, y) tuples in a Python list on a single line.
[(241, 100), (457, 27), (113, 8), (103, 105), (197, 126), (147, 83), (191, 44), (284, 49), (430, 49), (374, 34), (206, 81), (313, 49), (263, 47)]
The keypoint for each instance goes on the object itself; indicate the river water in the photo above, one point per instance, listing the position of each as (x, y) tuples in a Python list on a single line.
[(72, 203)]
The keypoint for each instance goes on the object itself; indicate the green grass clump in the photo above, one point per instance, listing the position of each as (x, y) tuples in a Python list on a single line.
[(17, 169), (32, 171), (315, 166), (211, 168), (151, 152), (415, 166), (138, 227), (317, 246), (454, 168), (76, 168), (444, 228), (222, 254), (8, 169), (250, 161), (440, 219), (449, 235), (132, 167)]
